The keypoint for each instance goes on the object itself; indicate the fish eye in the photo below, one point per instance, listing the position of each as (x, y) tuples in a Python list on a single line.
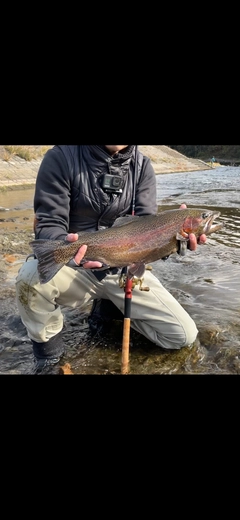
[(205, 215)]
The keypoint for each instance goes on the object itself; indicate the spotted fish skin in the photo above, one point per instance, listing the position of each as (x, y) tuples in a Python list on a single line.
[(131, 241)]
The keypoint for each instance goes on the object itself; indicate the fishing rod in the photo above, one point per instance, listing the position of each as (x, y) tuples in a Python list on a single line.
[(134, 181), (128, 290)]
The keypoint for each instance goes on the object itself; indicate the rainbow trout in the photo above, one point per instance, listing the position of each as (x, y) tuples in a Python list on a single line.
[(132, 241)]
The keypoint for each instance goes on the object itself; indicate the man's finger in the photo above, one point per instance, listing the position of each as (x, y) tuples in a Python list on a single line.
[(72, 237), (92, 264), (192, 242), (80, 254), (202, 239)]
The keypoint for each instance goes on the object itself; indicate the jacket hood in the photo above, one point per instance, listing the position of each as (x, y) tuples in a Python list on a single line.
[(124, 154)]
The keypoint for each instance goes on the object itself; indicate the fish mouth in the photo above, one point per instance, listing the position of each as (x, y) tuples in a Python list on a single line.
[(209, 226)]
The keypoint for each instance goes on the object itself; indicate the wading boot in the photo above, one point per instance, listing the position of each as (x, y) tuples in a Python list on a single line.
[(47, 356), (102, 315)]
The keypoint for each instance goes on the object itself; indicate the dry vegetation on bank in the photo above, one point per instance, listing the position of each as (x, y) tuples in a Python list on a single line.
[(26, 152), (163, 158)]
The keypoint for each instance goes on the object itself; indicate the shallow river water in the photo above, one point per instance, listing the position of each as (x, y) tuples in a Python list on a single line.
[(206, 282)]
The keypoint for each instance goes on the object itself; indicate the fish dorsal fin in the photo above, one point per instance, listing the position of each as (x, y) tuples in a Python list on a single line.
[(122, 221)]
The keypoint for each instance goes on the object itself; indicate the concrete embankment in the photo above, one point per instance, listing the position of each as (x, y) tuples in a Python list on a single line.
[(18, 173)]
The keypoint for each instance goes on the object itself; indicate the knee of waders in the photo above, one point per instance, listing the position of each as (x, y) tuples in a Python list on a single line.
[(102, 314), (48, 354)]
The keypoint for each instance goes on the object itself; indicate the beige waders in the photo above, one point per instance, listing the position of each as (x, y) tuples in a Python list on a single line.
[(155, 313)]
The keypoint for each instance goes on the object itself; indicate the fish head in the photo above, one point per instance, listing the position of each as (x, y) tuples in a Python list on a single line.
[(201, 222)]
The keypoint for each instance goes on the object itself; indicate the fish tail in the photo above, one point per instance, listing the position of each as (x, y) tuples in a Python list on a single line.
[(47, 266)]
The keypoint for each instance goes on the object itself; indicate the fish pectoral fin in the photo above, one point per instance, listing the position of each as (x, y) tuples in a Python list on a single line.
[(122, 221), (182, 248), (182, 244), (136, 269), (179, 236)]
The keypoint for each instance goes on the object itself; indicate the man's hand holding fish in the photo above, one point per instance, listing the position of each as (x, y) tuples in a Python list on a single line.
[(193, 240)]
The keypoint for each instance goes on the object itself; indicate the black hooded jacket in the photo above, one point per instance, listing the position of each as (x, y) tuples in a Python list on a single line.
[(69, 197)]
